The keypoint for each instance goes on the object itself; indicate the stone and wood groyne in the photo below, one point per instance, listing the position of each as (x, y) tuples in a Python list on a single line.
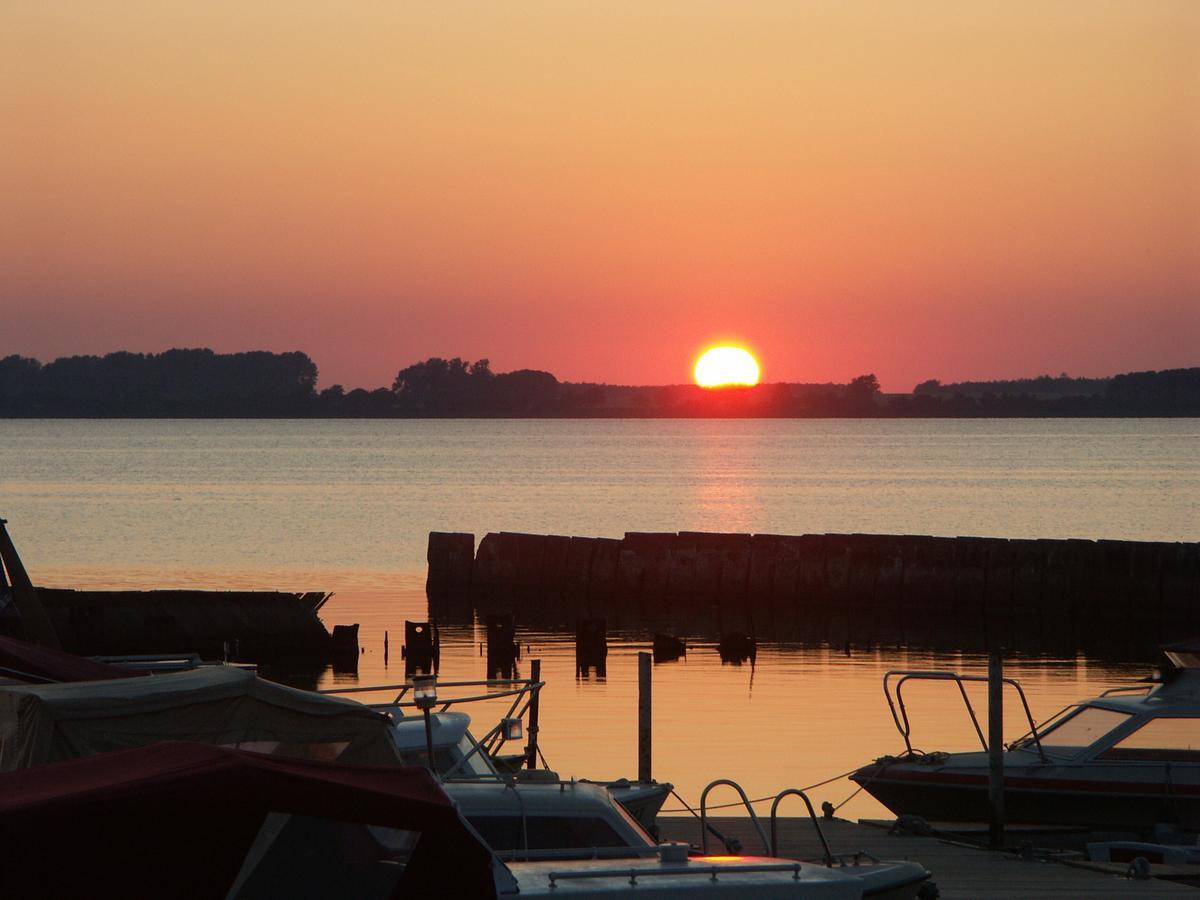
[(1120, 598)]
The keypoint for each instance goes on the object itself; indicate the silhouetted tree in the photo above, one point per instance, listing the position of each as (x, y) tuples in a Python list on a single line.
[(443, 387), (861, 394)]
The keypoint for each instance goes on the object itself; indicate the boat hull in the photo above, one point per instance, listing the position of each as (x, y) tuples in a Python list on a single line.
[(1057, 798)]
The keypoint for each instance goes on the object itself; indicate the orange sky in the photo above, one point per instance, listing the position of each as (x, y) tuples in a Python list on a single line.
[(923, 189)]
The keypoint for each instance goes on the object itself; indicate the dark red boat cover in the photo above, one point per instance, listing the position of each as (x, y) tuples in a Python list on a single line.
[(18, 658), (176, 820)]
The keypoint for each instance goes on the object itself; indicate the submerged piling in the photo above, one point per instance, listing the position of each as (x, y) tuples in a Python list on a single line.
[(421, 647), (591, 646), (502, 649)]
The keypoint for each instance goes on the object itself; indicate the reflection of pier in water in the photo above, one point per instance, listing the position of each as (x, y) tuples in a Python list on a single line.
[(1116, 599)]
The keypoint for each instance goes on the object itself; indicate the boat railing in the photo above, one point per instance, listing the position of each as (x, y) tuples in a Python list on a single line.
[(796, 792), (576, 853), (725, 782), (1130, 689), (523, 691), (691, 867), (900, 711)]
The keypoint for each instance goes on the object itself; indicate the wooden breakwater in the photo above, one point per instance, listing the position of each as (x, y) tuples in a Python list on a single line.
[(1119, 597)]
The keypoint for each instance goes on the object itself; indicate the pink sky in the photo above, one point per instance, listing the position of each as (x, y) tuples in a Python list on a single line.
[(930, 189)]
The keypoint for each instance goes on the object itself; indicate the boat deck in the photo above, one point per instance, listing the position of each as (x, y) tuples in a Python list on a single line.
[(961, 872)]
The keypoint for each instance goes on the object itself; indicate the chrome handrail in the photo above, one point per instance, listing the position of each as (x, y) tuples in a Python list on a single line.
[(1145, 688), (745, 802), (796, 792), (576, 853), (905, 675)]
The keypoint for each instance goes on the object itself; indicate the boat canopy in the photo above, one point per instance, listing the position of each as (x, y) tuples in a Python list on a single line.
[(219, 705), (187, 820)]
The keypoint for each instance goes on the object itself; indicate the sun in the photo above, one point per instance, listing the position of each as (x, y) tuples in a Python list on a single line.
[(726, 366)]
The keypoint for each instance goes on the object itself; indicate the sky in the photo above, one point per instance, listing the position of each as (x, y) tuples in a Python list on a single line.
[(920, 189)]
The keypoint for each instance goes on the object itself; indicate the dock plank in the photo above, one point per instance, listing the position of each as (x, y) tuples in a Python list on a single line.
[(960, 871)]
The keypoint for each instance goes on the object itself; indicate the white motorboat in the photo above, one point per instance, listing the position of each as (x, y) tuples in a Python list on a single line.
[(664, 876), (459, 756), (1128, 759)]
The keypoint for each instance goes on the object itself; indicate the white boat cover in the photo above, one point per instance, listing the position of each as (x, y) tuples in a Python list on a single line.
[(219, 705)]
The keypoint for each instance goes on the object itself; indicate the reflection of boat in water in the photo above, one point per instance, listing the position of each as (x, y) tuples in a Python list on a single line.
[(1129, 758)]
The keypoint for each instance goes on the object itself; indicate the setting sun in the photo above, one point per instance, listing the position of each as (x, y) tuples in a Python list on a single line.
[(726, 366)]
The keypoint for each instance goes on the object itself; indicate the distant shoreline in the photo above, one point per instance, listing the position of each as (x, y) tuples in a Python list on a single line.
[(202, 384), (570, 417)]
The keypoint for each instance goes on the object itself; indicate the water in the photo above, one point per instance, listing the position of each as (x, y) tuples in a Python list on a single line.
[(346, 506)]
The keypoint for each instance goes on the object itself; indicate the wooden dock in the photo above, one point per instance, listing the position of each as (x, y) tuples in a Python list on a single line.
[(961, 872)]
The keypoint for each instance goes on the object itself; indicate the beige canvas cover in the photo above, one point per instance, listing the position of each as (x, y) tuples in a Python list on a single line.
[(217, 705)]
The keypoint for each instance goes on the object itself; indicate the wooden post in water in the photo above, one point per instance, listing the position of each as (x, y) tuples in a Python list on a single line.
[(644, 669), (996, 748), (535, 675)]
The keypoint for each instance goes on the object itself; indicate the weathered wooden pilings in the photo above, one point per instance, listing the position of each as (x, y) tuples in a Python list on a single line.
[(667, 647), (502, 647), (1028, 595), (421, 648), (591, 646)]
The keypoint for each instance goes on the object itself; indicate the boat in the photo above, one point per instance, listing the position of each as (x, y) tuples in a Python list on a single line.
[(459, 756), (542, 833), (666, 876), (191, 820), (179, 819), (1127, 759), (568, 818)]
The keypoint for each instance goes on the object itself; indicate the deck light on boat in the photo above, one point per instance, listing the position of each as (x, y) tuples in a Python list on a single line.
[(514, 729), (425, 691), (425, 696)]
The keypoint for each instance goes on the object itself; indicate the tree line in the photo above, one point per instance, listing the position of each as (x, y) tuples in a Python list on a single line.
[(201, 383)]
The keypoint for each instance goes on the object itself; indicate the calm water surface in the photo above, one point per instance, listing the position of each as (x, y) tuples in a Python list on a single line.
[(346, 506)]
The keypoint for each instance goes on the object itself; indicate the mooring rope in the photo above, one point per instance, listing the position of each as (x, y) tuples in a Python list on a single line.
[(686, 808)]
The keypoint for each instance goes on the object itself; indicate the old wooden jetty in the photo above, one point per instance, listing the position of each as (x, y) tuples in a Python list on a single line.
[(253, 625), (1119, 597), (246, 625), (961, 871)]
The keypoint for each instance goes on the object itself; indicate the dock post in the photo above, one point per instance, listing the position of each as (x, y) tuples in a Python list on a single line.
[(535, 675), (644, 668), (996, 748)]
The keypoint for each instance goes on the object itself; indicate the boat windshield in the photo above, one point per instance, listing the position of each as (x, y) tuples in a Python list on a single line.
[(1167, 739), (1082, 729)]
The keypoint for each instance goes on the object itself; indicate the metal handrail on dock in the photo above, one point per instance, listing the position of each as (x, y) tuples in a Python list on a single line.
[(901, 719)]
